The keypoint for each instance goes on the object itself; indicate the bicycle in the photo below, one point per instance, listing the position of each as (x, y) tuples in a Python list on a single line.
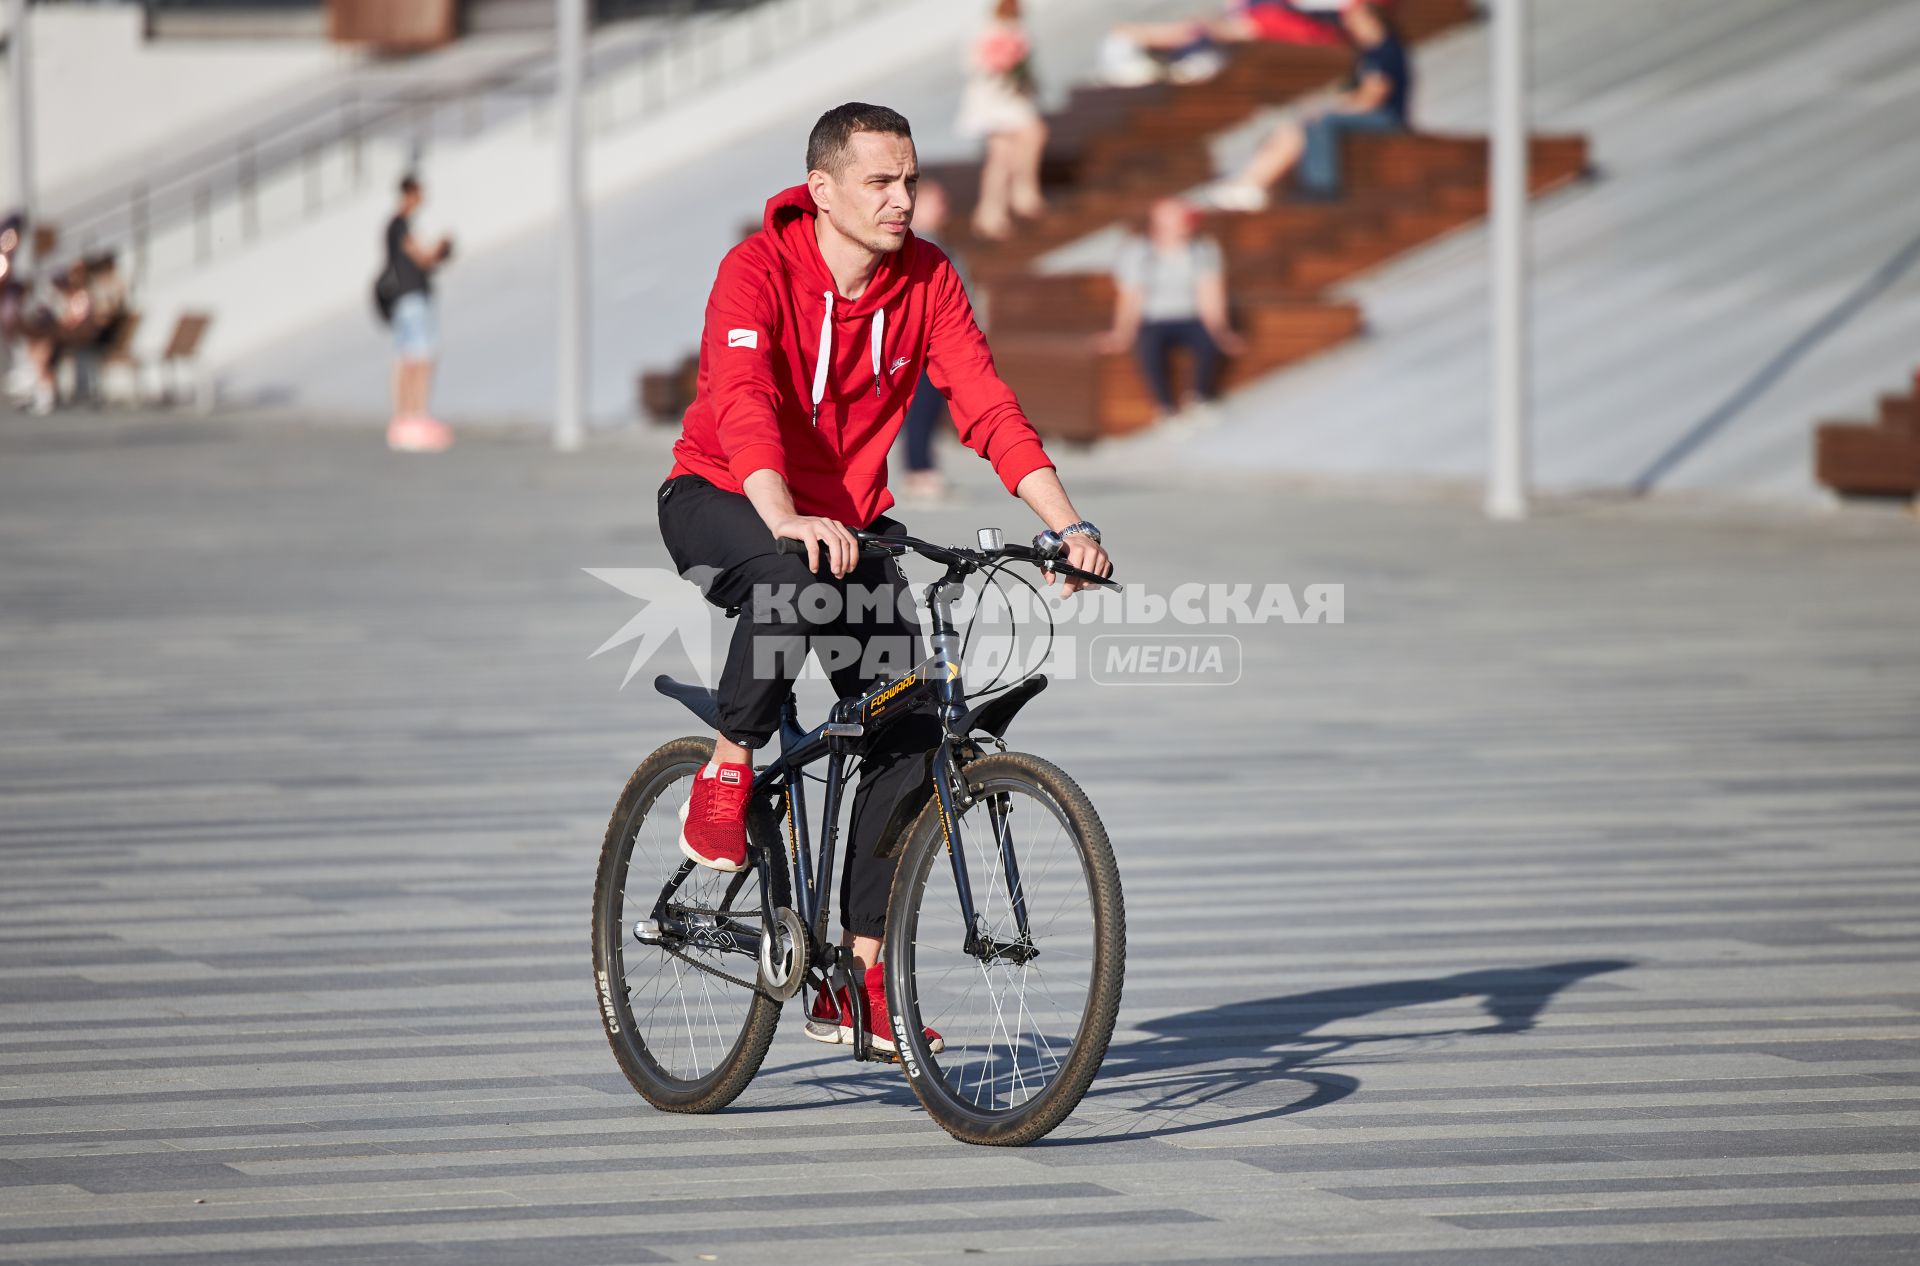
[(1018, 966)]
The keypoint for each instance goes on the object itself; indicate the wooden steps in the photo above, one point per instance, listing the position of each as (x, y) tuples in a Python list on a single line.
[(1404, 191), (1113, 151), (1073, 392), (1880, 458)]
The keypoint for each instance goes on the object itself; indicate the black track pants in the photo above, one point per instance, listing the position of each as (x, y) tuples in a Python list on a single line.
[(863, 632)]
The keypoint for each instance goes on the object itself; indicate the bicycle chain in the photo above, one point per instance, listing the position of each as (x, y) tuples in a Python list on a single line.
[(752, 986)]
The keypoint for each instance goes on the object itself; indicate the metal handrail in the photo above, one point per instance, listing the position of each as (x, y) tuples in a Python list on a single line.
[(682, 56)]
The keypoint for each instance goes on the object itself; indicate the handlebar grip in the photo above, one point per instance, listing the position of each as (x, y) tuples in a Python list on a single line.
[(1067, 569), (870, 543)]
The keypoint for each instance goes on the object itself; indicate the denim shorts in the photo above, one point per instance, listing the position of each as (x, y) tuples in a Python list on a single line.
[(413, 326)]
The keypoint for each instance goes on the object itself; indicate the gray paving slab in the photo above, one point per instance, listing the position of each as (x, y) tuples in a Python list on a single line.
[(1554, 908)]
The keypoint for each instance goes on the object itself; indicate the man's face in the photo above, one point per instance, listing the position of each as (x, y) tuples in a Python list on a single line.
[(410, 201), (870, 199)]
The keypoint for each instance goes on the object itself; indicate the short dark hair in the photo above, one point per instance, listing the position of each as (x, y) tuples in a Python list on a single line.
[(827, 147), (409, 184)]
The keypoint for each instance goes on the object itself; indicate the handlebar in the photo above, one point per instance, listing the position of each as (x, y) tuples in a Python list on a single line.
[(956, 558)]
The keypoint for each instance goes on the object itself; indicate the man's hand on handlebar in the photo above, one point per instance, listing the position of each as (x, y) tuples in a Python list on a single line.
[(821, 536), (1085, 553)]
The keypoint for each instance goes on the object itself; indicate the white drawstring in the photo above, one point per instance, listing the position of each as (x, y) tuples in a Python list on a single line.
[(825, 359), (826, 355)]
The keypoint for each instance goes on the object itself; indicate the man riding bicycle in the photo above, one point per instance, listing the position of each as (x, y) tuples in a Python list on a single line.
[(817, 330)]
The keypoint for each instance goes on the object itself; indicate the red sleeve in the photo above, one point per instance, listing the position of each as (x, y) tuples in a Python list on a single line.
[(742, 329), (988, 416)]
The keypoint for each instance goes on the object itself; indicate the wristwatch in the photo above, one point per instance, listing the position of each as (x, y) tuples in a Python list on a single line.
[(1051, 542)]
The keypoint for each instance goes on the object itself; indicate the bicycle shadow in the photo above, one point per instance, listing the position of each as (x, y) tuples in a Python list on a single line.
[(1194, 1061)]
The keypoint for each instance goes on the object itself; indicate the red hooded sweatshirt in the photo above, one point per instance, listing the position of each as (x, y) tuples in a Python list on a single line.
[(796, 379)]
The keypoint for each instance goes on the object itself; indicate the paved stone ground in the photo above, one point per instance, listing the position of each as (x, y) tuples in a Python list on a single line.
[(1557, 907)]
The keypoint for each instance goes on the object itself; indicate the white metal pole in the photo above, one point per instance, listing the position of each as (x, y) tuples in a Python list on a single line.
[(569, 418), (20, 85), (1507, 477)]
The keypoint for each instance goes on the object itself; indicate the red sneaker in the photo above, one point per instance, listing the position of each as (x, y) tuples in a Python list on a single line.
[(830, 1021), (713, 821), (879, 1023)]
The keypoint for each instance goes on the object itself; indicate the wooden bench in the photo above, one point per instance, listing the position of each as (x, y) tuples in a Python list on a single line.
[(181, 376), (1879, 458)]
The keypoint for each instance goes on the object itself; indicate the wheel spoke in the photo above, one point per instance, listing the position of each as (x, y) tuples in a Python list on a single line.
[(681, 1018), (1009, 1035)]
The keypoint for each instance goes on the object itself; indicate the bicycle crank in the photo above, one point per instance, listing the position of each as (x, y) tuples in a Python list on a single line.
[(783, 955)]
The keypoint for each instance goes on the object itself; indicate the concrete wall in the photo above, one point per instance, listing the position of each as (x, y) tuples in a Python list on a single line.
[(102, 93)]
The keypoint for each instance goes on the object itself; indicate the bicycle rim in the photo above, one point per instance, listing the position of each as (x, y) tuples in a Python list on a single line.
[(1018, 1026), (686, 1021)]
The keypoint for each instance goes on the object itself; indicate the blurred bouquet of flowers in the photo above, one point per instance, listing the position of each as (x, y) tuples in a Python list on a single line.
[(1003, 51)]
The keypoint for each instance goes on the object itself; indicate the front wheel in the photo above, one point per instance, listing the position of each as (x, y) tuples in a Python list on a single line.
[(1023, 1001)]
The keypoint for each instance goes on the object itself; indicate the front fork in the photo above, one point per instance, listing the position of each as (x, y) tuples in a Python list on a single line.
[(949, 798)]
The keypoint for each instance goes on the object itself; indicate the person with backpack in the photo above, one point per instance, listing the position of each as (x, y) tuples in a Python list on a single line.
[(404, 296)]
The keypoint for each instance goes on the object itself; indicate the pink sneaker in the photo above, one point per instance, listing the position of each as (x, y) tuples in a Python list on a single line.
[(417, 433), (713, 821)]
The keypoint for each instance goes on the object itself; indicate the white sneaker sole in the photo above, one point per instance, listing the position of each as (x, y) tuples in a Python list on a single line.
[(842, 1035), (724, 867), (831, 1034)]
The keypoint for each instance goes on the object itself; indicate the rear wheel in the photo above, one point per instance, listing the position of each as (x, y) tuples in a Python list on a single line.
[(1024, 1020), (666, 939)]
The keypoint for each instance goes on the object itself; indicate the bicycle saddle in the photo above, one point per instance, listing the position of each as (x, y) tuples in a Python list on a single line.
[(703, 703)]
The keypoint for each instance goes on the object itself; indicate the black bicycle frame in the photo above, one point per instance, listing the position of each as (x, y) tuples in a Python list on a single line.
[(938, 679)]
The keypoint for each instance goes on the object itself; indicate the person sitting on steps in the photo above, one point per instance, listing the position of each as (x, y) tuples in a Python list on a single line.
[(1171, 291), (1376, 101)]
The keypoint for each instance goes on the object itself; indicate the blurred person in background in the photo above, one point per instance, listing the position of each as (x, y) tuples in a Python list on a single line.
[(107, 313), (1187, 51), (408, 282), (56, 321), (925, 485), (107, 295), (999, 106), (1376, 100), (1172, 292), (12, 300)]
